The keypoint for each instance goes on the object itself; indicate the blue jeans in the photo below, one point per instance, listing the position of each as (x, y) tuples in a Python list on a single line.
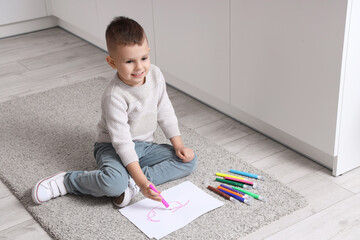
[(158, 162)]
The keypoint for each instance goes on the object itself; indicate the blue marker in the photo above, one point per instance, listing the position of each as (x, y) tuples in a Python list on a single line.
[(234, 190), (247, 201), (247, 174)]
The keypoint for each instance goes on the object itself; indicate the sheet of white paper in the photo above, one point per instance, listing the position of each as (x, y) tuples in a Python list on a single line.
[(186, 201)]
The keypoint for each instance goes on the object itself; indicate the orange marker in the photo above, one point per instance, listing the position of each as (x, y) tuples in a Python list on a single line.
[(227, 190)]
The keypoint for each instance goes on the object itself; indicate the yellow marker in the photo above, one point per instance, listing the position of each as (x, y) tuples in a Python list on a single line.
[(226, 175)]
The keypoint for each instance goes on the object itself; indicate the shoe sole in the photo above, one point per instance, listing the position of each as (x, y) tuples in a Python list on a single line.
[(36, 187), (126, 199)]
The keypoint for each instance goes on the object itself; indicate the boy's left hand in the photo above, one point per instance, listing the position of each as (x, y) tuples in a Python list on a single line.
[(186, 154)]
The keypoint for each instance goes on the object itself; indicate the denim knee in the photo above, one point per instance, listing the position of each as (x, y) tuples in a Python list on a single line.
[(193, 164), (113, 182)]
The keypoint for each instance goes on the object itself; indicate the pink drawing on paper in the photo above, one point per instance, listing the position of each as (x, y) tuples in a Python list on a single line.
[(155, 216)]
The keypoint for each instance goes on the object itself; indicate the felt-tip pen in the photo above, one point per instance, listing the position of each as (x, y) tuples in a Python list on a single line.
[(237, 197), (221, 193), (247, 174), (163, 200), (254, 185), (234, 190), (256, 196), (227, 175), (237, 184)]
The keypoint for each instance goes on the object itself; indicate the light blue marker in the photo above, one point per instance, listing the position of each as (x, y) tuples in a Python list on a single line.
[(247, 174)]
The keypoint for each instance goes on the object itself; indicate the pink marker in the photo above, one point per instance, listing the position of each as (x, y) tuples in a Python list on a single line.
[(163, 200), (254, 185), (239, 180)]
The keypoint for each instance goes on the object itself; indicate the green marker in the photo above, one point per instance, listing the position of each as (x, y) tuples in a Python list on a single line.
[(233, 183), (250, 194)]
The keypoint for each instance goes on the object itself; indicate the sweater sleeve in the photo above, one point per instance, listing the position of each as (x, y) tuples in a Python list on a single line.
[(119, 129), (166, 114)]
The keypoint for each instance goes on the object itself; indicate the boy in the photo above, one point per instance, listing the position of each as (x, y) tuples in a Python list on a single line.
[(133, 104)]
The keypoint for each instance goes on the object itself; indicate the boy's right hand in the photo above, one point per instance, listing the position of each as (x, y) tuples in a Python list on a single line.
[(141, 180), (149, 193)]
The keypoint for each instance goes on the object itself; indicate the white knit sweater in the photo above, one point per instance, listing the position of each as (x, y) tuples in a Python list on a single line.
[(133, 113)]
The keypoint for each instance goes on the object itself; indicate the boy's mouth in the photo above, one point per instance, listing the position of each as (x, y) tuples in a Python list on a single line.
[(137, 74)]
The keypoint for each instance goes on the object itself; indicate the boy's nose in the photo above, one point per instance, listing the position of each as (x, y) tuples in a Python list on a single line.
[(138, 65)]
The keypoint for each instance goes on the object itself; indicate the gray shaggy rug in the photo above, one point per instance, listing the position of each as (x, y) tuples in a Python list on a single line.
[(54, 131)]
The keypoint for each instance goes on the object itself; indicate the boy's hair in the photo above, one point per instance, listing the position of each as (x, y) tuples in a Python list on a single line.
[(123, 31)]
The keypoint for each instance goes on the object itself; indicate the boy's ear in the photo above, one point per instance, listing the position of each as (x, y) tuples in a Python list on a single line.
[(111, 62)]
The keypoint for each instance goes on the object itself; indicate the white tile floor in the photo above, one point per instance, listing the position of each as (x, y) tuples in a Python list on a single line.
[(51, 58)]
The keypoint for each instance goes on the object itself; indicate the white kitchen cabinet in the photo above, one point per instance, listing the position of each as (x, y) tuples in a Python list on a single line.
[(287, 68), (348, 127), (81, 14), (12, 11), (192, 45), (89, 19), (286, 73), (23, 16)]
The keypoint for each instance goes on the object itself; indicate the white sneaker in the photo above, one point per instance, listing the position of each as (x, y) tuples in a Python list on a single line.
[(48, 188), (129, 193), (133, 187)]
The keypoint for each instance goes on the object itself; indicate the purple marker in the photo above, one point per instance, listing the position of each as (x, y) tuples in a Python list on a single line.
[(163, 200)]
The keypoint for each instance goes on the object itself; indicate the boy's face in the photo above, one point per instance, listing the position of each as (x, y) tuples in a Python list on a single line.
[(131, 62)]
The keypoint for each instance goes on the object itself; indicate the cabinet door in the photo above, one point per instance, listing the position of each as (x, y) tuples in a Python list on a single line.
[(286, 63), (140, 11), (80, 13), (12, 11), (349, 110), (192, 43)]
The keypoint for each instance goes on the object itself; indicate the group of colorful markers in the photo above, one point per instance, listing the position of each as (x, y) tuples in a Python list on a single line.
[(238, 185)]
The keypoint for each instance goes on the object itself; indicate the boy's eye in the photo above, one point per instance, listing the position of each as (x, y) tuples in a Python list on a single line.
[(144, 58), (130, 61)]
